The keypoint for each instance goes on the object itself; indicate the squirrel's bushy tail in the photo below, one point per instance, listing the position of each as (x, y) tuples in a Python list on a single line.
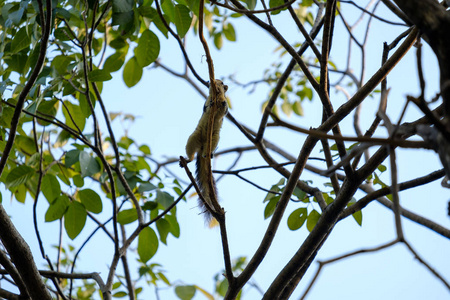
[(202, 181)]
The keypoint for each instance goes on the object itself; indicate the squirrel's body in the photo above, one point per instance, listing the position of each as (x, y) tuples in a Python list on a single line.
[(197, 142)]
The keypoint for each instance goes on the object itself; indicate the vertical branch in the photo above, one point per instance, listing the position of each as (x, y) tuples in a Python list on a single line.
[(220, 216), (394, 191), (15, 244), (126, 269), (419, 70), (205, 47), (326, 46)]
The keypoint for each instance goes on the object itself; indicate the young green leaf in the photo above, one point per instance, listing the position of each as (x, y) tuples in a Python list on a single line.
[(148, 48), (25, 144), (72, 157), (297, 218), (132, 72), (164, 198), (50, 187), (127, 216), (88, 165), (185, 292), (147, 244), (114, 62), (270, 207), (312, 219), (91, 200), (20, 41), (182, 19), (163, 229), (99, 75), (146, 186), (18, 176), (57, 209), (174, 226), (168, 9), (358, 217), (60, 63), (251, 4), (74, 219), (74, 116)]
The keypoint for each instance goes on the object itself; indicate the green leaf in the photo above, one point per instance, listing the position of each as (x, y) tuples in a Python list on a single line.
[(74, 219), (297, 218), (132, 72), (91, 200), (78, 181), (149, 205), (185, 292), (49, 108), (50, 187), (358, 217), (25, 144), (146, 186), (16, 16), (145, 149), (84, 103), (182, 19), (270, 207), (153, 15), (17, 62), (148, 48), (147, 244), (60, 63), (127, 216), (297, 108), (122, 5), (222, 287), (194, 6), (73, 114), (62, 13), (174, 226), (99, 75), (114, 62), (123, 13), (120, 294), (20, 41), (275, 3), (18, 176), (88, 165), (163, 229), (168, 9), (334, 147), (286, 108), (299, 193), (20, 193), (229, 32), (62, 34), (251, 4), (218, 40), (382, 168), (72, 157), (164, 198), (312, 219), (57, 209)]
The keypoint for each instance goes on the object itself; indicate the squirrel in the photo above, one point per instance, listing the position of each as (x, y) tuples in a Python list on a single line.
[(197, 142)]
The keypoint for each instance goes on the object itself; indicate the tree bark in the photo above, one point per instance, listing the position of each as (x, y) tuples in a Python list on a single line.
[(22, 258)]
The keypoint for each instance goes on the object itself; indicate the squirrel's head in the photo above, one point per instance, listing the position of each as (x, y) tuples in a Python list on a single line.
[(220, 87)]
